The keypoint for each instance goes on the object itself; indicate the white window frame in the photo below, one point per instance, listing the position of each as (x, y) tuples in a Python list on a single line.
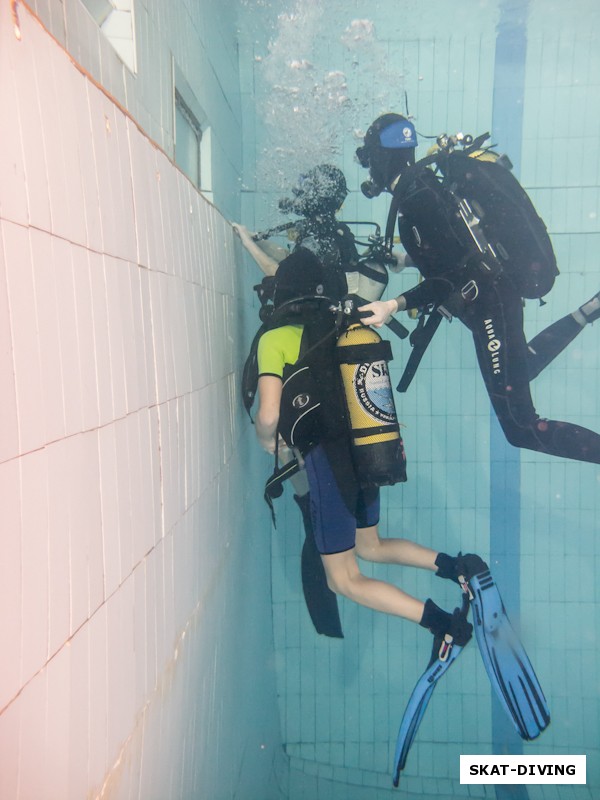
[(116, 20), (185, 100)]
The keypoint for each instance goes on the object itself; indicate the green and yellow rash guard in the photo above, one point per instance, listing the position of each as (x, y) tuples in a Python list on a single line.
[(277, 348)]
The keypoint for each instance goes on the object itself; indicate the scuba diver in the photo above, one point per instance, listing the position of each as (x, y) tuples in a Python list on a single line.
[(317, 196), (481, 248), (324, 390), (301, 399)]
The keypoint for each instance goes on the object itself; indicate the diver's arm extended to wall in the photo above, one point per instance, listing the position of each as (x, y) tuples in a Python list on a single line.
[(267, 261)]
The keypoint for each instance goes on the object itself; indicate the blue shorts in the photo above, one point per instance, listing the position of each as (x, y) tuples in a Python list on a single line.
[(334, 525)]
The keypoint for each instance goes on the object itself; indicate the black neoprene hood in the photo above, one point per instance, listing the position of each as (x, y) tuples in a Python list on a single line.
[(389, 146), (299, 275)]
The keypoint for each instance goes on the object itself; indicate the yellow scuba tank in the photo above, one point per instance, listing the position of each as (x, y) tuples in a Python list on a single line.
[(377, 446)]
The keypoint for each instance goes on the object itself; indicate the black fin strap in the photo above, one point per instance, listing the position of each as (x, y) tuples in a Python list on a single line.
[(397, 327)]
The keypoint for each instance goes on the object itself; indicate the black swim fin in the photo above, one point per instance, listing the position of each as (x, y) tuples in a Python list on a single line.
[(321, 602), (508, 667)]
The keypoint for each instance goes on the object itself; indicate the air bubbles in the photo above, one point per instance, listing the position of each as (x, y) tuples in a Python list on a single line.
[(300, 63), (359, 32), (307, 85), (303, 93)]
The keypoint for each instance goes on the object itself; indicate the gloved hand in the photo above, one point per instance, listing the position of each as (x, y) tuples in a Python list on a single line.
[(381, 311)]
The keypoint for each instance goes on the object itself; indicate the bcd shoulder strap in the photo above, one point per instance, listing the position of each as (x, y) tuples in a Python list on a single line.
[(250, 371)]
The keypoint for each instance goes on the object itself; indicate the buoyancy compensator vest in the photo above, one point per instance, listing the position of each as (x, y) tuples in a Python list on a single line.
[(311, 408), (472, 210), (338, 389)]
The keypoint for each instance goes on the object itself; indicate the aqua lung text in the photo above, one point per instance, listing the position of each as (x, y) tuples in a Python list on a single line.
[(494, 346)]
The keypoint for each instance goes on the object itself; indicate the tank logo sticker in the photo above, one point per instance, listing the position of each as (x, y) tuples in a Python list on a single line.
[(494, 346), (374, 392)]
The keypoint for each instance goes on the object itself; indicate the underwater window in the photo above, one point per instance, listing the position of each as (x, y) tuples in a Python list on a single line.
[(188, 140), (115, 20)]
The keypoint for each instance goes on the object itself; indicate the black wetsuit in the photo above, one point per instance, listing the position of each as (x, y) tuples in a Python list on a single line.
[(493, 312)]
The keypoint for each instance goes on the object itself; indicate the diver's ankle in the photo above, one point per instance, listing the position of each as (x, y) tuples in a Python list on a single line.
[(446, 567)]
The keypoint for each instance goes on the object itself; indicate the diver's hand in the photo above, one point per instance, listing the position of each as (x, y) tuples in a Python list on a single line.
[(243, 232), (381, 311), (269, 446), (272, 444), (266, 262)]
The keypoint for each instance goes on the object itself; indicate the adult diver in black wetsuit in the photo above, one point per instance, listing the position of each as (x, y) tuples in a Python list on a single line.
[(491, 303)]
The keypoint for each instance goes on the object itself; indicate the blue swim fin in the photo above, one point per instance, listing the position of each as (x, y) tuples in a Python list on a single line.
[(507, 665), (443, 655)]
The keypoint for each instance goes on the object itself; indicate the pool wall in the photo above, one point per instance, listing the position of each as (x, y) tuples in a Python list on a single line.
[(135, 603)]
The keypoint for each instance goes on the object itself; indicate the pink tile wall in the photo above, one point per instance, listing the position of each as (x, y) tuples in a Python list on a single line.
[(9, 434), (118, 342)]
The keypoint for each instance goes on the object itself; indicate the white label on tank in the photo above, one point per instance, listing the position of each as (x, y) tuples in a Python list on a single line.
[(374, 391)]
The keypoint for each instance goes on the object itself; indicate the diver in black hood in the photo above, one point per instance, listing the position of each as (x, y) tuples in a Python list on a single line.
[(482, 282), (317, 196), (388, 150)]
